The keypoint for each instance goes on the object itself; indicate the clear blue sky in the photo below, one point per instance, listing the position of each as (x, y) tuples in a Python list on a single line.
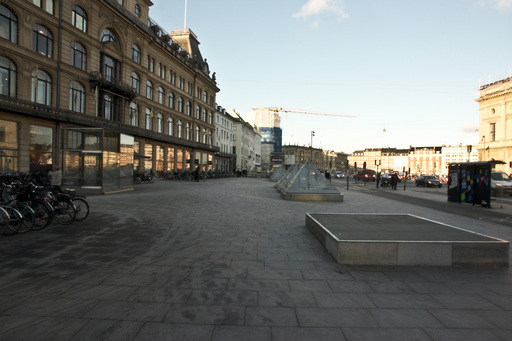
[(409, 67)]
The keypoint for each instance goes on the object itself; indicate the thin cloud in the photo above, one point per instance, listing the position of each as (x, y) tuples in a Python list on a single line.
[(314, 8), (497, 4)]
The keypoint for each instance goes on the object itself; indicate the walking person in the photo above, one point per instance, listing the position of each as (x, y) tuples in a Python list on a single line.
[(328, 175), (394, 181), (378, 179)]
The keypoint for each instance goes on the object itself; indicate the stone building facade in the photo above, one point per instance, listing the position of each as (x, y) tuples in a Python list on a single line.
[(495, 107), (101, 89)]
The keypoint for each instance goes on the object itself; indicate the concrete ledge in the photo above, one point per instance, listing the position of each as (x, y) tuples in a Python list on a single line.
[(403, 239), (312, 196)]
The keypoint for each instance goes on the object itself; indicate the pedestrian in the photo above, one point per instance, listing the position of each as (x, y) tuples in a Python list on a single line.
[(196, 174), (328, 175), (394, 181), (56, 177), (378, 179)]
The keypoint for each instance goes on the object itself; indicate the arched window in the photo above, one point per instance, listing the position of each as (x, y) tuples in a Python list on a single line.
[(189, 108), (205, 96), (161, 95), (136, 54), (159, 123), (107, 36), (180, 104), (171, 100), (79, 18), (134, 114), (78, 56), (42, 40), (170, 126), (7, 77), (41, 87), (137, 10), (149, 119), (210, 118), (149, 90), (209, 137), (180, 129), (187, 131), (204, 115), (108, 107), (135, 82), (8, 24), (198, 112), (197, 134), (77, 97)]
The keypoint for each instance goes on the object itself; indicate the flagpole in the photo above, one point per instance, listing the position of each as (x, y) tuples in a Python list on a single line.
[(185, 25)]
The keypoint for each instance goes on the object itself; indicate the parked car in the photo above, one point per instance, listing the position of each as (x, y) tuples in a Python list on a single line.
[(428, 181), (366, 175), (501, 184)]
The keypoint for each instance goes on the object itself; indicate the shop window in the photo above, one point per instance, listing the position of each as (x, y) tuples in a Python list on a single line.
[(42, 41), (79, 18), (170, 159), (41, 87), (7, 77), (77, 97), (8, 147), (8, 24), (78, 56), (41, 146)]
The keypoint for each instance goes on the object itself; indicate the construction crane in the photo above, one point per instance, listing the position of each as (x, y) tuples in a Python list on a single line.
[(307, 112)]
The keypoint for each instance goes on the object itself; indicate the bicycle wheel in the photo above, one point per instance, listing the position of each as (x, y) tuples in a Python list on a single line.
[(82, 208), (65, 212), (28, 217), (14, 220), (43, 216), (4, 220)]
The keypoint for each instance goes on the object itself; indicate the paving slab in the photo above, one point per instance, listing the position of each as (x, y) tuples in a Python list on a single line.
[(229, 259)]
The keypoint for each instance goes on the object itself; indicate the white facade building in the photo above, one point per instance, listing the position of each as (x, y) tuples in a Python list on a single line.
[(225, 158)]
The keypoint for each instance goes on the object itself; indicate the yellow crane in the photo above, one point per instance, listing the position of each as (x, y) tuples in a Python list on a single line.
[(308, 112)]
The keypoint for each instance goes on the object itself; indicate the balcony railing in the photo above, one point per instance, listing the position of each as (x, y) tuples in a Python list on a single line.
[(111, 83)]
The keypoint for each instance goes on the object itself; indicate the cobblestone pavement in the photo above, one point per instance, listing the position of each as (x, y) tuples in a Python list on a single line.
[(228, 259)]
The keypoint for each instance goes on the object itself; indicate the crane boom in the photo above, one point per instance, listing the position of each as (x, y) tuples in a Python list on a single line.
[(307, 112)]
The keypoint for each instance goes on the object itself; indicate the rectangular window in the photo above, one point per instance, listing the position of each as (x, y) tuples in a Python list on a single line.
[(41, 146), (492, 131), (8, 147), (170, 159)]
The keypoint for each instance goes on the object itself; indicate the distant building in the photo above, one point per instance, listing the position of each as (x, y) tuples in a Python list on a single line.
[(225, 159), (425, 160), (268, 123), (495, 105), (299, 154), (246, 144), (456, 154)]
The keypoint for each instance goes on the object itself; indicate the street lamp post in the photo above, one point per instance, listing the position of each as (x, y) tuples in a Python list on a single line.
[(312, 134)]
